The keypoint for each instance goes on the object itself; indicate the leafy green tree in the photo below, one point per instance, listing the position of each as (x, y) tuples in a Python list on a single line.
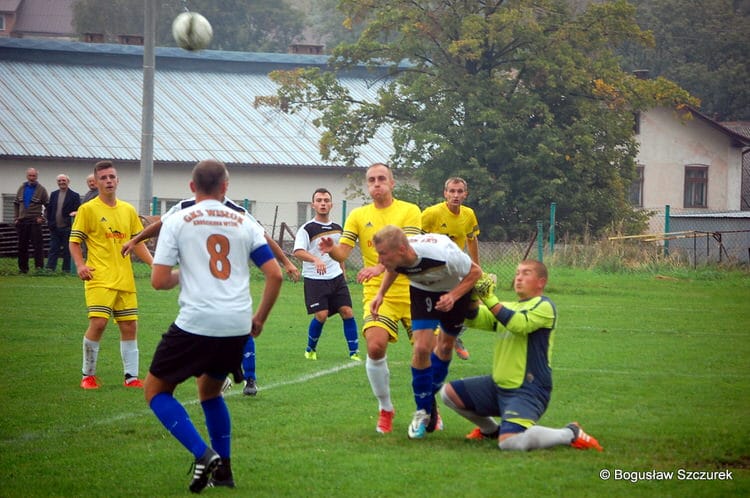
[(701, 45), (525, 100), (260, 25)]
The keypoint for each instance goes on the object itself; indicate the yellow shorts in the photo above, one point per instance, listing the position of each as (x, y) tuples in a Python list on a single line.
[(104, 303), (389, 315)]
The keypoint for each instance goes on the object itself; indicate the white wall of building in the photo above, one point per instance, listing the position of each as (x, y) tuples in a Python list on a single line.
[(274, 192), (668, 144)]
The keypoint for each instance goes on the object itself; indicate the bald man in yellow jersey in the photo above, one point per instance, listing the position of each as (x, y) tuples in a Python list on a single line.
[(360, 226)]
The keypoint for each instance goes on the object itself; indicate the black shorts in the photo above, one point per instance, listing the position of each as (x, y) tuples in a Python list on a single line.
[(423, 311), (327, 295), (181, 355)]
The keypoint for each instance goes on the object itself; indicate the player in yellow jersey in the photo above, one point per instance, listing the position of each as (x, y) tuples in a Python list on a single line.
[(360, 227), (457, 221), (104, 223)]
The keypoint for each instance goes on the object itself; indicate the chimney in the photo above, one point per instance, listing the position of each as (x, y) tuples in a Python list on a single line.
[(306, 48), (93, 37), (130, 39)]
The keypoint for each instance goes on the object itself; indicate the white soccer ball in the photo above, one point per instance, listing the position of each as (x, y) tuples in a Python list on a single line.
[(192, 31)]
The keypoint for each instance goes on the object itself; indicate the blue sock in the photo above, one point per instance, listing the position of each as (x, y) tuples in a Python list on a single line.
[(248, 359), (439, 372), (177, 421), (421, 383), (314, 332), (350, 332), (219, 425)]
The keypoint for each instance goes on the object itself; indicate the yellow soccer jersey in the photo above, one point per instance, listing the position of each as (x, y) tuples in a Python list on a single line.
[(104, 229), (459, 227), (362, 224)]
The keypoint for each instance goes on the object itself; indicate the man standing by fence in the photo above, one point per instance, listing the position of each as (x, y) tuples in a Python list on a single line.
[(63, 203), (28, 214)]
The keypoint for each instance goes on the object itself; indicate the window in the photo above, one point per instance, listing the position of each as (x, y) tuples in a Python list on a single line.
[(636, 188), (163, 205), (2, 22), (696, 186), (303, 213), (8, 211), (249, 205)]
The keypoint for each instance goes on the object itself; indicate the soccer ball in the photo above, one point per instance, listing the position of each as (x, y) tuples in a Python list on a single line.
[(192, 31)]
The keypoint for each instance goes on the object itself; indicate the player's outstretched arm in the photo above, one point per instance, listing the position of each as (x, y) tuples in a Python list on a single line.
[(148, 232), (320, 265), (272, 272), (279, 254), (388, 279), (472, 246), (369, 272), (447, 300), (76, 253), (163, 277), (144, 254), (338, 252)]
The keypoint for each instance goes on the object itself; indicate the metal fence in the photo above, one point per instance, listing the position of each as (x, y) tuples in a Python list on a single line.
[(703, 236), (696, 237)]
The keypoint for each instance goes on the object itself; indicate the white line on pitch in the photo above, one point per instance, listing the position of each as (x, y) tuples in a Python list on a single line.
[(32, 436)]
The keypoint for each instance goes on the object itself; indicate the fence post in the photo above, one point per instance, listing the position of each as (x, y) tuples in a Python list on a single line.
[(154, 205), (246, 204), (343, 210), (666, 229), (552, 209), (73, 267), (275, 216), (540, 240)]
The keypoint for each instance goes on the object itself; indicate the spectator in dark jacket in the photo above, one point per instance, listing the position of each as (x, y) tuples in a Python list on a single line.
[(93, 189), (28, 214), (63, 203)]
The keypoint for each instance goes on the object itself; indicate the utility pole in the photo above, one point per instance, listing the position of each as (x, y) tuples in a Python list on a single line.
[(147, 113)]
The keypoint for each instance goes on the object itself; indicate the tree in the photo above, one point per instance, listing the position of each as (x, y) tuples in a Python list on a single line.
[(524, 100), (331, 25), (260, 25), (703, 46)]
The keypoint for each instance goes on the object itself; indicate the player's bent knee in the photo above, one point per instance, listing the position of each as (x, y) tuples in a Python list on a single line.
[(446, 397)]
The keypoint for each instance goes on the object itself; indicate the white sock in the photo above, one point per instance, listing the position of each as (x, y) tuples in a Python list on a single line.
[(486, 424), (129, 353), (538, 437), (90, 356), (379, 376)]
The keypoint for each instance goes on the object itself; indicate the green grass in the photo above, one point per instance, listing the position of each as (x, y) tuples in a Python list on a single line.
[(655, 366)]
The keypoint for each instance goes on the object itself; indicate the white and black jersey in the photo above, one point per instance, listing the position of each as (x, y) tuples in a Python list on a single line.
[(307, 238), (190, 202), (440, 265)]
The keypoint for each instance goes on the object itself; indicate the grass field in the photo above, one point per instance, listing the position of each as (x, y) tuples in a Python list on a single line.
[(657, 367)]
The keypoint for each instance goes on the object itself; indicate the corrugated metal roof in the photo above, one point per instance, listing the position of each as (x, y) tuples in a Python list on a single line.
[(83, 101), (741, 127)]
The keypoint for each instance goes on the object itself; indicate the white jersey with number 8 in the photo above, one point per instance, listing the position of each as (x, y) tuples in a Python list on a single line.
[(212, 244)]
